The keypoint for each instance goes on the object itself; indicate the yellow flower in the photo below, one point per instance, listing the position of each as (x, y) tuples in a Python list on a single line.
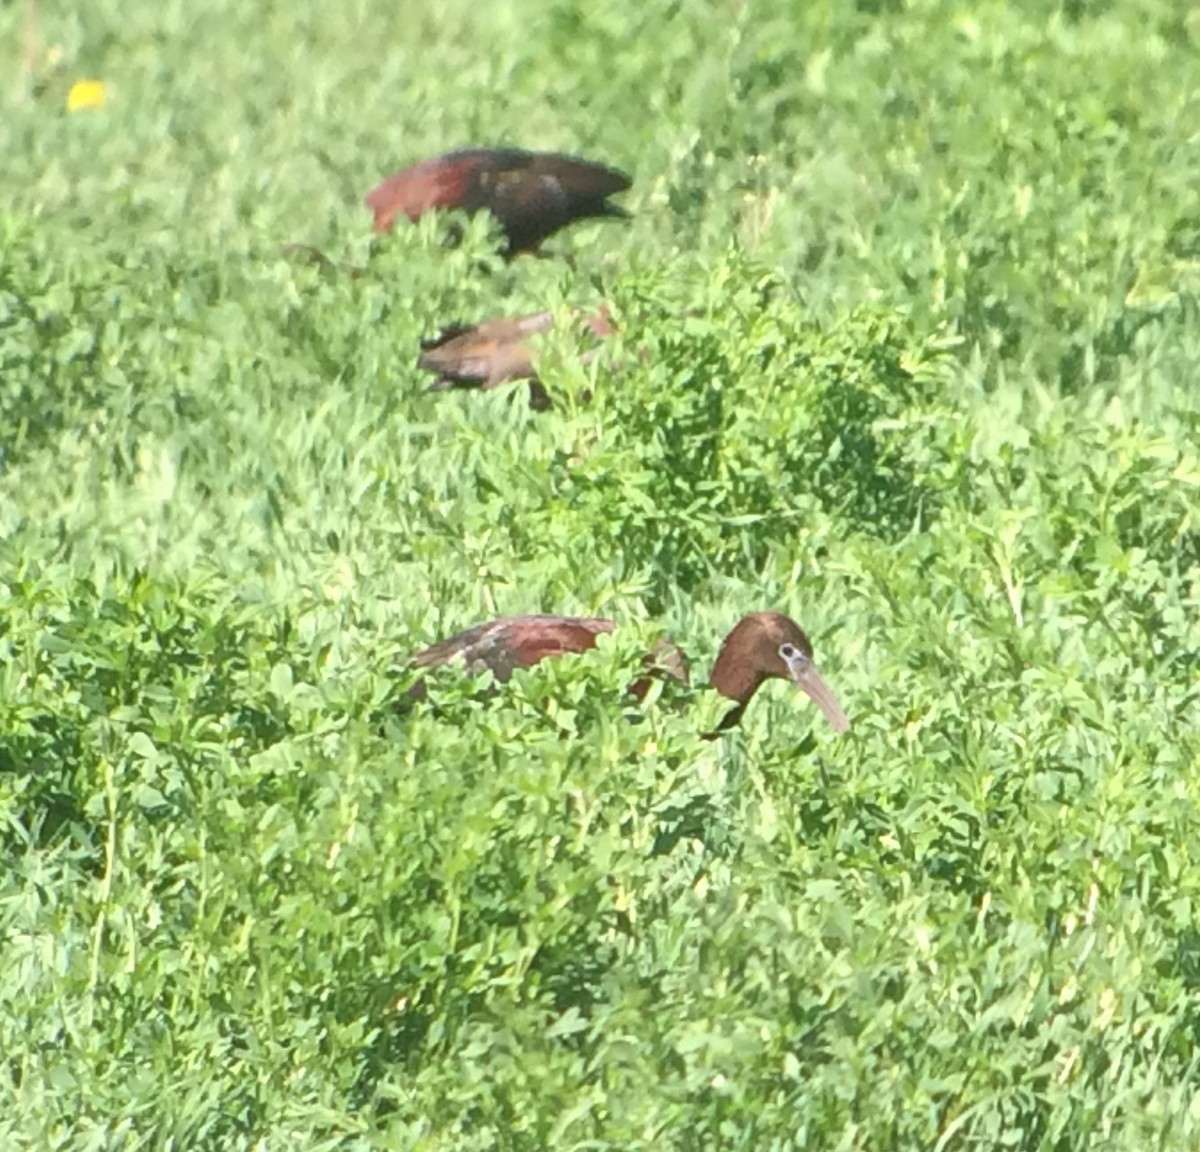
[(86, 94)]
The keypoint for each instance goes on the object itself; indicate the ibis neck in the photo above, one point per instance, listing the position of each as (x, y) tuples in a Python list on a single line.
[(736, 681)]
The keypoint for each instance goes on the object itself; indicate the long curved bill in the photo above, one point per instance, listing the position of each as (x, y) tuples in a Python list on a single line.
[(805, 676)]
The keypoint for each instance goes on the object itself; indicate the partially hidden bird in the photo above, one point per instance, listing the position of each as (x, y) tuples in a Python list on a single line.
[(531, 194), (496, 352), (761, 646)]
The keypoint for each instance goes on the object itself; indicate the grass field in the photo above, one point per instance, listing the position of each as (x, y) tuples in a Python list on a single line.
[(909, 350)]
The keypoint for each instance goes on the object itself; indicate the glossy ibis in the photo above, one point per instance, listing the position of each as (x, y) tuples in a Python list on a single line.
[(531, 194), (495, 352), (762, 646)]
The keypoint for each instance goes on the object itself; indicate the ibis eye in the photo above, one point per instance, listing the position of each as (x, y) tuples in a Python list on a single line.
[(790, 652)]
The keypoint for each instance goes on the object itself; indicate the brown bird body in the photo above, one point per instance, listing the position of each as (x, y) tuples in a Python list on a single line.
[(531, 194), (761, 646), (495, 352)]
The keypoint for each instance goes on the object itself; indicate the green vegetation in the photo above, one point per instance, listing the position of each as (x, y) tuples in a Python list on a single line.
[(919, 287)]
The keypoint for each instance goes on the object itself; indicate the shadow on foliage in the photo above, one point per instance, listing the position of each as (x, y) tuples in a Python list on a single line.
[(721, 437), (142, 659), (51, 375), (1097, 357), (73, 343), (698, 818), (47, 759), (482, 978), (867, 475)]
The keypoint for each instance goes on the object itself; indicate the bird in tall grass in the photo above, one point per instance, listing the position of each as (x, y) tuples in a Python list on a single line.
[(760, 647), (531, 194), (495, 352)]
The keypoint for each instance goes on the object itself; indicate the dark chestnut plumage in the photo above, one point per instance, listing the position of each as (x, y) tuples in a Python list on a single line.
[(761, 646), (495, 352), (531, 194)]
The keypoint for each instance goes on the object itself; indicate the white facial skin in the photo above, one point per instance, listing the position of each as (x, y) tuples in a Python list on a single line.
[(792, 658)]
